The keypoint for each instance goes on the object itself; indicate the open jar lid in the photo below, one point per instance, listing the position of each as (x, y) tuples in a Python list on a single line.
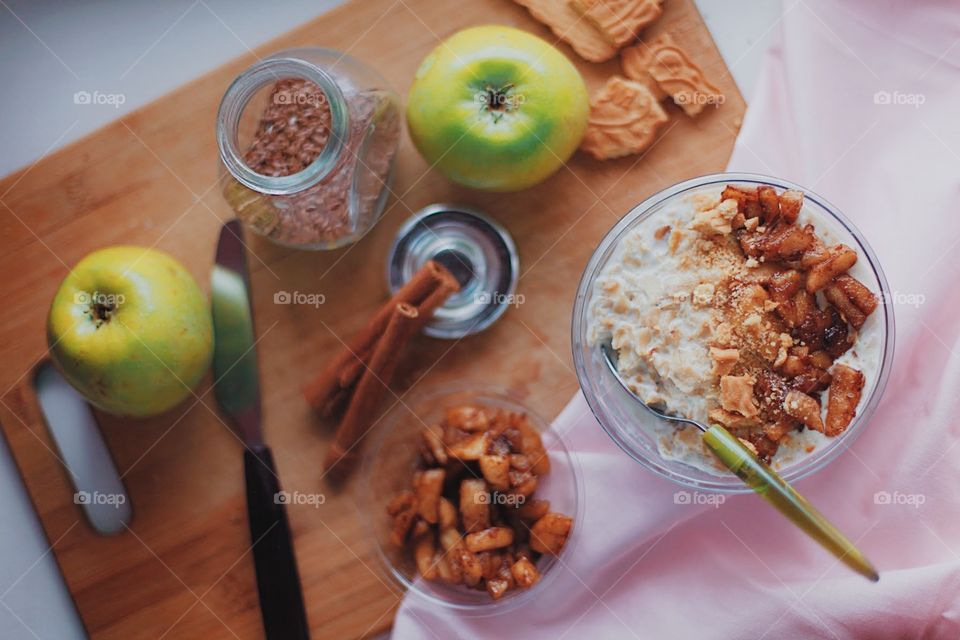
[(477, 251)]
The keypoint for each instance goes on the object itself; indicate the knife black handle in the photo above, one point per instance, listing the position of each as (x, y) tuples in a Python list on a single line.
[(278, 581)]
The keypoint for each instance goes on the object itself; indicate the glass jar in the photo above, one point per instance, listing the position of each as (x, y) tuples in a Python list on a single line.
[(307, 141)]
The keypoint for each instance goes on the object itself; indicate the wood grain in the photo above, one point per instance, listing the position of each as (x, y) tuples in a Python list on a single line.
[(150, 179)]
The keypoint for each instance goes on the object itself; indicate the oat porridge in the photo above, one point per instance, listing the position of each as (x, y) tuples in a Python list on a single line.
[(733, 305)]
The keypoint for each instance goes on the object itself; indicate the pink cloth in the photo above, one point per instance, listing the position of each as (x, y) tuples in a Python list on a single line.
[(646, 567)]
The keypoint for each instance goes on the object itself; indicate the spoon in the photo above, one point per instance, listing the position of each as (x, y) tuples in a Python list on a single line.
[(764, 480)]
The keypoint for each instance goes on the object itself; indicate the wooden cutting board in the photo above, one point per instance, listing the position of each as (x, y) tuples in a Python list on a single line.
[(183, 568)]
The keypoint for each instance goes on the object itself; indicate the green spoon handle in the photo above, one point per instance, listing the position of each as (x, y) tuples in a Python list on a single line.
[(765, 481)]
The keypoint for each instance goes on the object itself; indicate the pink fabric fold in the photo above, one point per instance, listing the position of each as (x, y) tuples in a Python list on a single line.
[(860, 102)]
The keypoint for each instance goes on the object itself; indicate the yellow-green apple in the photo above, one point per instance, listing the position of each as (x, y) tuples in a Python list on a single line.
[(496, 108), (130, 329)]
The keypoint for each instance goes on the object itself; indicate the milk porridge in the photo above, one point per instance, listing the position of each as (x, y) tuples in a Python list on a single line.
[(734, 306)]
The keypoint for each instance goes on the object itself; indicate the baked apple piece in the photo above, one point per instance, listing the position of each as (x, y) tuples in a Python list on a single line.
[(791, 201), (474, 505), (803, 408), (844, 396), (839, 259), (769, 204), (854, 300), (748, 202), (549, 533)]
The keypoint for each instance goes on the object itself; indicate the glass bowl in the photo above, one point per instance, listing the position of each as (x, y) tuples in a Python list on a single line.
[(388, 468), (633, 428)]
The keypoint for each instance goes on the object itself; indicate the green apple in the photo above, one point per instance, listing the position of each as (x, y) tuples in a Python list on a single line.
[(496, 108), (130, 329)]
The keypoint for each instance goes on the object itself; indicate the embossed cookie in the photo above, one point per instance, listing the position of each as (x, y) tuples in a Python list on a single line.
[(624, 119), (635, 62), (572, 28), (620, 21), (673, 72)]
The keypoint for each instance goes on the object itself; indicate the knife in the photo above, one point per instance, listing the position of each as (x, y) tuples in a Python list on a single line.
[(236, 388)]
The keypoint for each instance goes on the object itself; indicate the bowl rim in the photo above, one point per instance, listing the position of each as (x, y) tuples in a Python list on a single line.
[(728, 484), (509, 400)]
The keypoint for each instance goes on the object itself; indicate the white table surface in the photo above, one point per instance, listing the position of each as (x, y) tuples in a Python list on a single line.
[(138, 50)]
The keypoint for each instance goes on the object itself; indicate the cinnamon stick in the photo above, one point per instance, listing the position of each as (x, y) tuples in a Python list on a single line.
[(445, 288), (325, 392), (373, 384), (436, 298)]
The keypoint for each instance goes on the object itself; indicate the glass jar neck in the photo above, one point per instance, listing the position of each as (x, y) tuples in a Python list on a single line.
[(234, 102)]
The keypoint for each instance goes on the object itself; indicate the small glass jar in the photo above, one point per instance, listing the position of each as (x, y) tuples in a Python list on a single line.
[(307, 141)]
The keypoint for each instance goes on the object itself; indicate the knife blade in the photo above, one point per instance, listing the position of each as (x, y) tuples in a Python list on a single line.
[(235, 356), (237, 390)]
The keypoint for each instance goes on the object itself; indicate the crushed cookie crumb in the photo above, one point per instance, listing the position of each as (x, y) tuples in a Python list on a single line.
[(724, 360), (736, 395), (723, 334), (703, 294)]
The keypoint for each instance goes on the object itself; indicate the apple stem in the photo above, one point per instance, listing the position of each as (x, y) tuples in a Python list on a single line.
[(102, 312), (499, 100)]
